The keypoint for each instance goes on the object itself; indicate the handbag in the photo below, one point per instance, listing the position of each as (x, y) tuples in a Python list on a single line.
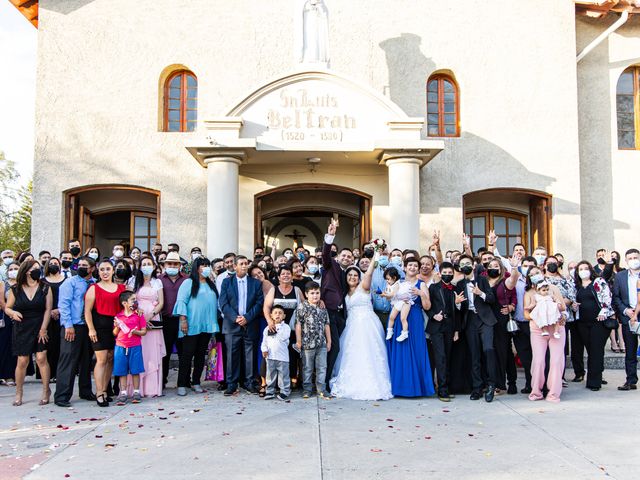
[(215, 368), (156, 324), (512, 325), (610, 322)]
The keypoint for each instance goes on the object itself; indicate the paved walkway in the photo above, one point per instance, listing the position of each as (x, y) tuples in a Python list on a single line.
[(589, 435)]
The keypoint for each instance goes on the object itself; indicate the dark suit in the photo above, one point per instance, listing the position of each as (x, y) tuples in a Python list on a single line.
[(332, 291), (237, 337), (479, 331), (620, 304), (441, 332)]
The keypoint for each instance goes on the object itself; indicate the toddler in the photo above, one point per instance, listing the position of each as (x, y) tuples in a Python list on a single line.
[(546, 312), (399, 294), (129, 327), (275, 349)]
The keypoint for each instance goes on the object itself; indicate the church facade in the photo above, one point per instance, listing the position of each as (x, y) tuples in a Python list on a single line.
[(227, 126)]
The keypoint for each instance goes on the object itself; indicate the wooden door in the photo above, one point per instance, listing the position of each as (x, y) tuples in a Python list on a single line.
[(86, 228)]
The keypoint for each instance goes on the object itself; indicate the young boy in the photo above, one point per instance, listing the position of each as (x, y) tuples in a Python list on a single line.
[(129, 327), (313, 338), (275, 349)]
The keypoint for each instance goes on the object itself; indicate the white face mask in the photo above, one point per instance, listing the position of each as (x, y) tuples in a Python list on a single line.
[(12, 274), (7, 261), (584, 274), (195, 255), (118, 253), (634, 264), (572, 272), (93, 255), (540, 259)]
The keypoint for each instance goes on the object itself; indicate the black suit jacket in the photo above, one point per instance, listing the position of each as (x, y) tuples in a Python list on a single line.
[(332, 286), (229, 306), (621, 295), (442, 301), (483, 307)]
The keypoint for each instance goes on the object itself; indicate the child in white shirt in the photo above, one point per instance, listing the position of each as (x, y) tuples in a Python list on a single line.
[(275, 349)]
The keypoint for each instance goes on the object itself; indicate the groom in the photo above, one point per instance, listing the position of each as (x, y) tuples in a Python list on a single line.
[(333, 289), (241, 300)]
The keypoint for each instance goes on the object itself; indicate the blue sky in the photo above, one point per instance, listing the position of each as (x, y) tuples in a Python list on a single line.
[(18, 43)]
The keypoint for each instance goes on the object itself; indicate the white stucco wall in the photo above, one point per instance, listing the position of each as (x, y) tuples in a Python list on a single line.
[(609, 185), (97, 99)]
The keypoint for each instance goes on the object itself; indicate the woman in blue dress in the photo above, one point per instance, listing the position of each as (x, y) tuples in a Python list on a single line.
[(409, 360)]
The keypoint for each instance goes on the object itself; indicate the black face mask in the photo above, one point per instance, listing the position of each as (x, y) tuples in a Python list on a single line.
[(121, 273), (334, 254), (447, 278), (53, 269), (486, 265), (601, 261), (74, 251), (456, 267), (552, 267), (83, 271), (493, 272), (35, 274), (467, 269), (66, 263), (368, 253), (219, 271), (560, 264)]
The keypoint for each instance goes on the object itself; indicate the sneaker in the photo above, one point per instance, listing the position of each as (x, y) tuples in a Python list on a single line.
[(182, 391), (136, 397), (282, 396), (403, 336), (544, 334), (324, 396), (306, 394), (197, 388), (122, 399), (269, 396), (556, 335), (389, 333)]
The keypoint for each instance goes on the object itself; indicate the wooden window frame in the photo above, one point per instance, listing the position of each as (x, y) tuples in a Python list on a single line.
[(132, 229), (441, 78), (489, 224), (635, 71), (184, 97)]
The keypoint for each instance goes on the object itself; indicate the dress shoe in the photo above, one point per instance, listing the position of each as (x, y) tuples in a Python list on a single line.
[(488, 396), (526, 390), (90, 398), (63, 404), (628, 386), (230, 391), (594, 389), (578, 378), (251, 390), (475, 395), (444, 397), (512, 390), (222, 386), (604, 382)]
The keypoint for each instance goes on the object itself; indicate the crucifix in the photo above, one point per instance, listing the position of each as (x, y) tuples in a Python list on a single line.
[(297, 238)]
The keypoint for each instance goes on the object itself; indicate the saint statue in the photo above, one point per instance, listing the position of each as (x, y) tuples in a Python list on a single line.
[(315, 32)]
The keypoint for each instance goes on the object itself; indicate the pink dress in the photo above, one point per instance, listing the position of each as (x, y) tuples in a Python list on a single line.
[(546, 311), (153, 347)]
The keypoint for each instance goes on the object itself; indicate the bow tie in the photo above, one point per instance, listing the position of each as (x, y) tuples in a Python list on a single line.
[(448, 286)]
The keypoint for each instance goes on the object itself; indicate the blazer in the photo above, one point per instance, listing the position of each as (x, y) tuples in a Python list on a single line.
[(483, 307), (620, 298), (331, 287), (445, 302), (229, 306)]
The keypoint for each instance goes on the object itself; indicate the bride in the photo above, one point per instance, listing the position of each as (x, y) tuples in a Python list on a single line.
[(362, 367)]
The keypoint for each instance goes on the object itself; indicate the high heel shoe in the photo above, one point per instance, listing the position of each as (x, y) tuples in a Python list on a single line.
[(46, 397), (101, 400), (18, 401)]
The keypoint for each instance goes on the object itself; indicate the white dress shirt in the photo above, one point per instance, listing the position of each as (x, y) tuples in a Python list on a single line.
[(632, 280), (242, 295), (277, 345)]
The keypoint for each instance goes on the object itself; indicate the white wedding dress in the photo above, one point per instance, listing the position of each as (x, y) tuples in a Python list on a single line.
[(362, 369)]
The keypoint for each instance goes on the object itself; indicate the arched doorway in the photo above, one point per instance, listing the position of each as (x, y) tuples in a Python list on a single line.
[(103, 215), (517, 216), (299, 214)]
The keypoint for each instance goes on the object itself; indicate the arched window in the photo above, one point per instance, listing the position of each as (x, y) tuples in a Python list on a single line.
[(627, 103), (180, 102), (443, 107)]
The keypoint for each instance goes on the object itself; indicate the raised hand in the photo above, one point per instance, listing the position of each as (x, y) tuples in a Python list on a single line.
[(333, 226), (436, 237), (607, 256), (466, 240), (493, 238), (460, 298), (515, 260)]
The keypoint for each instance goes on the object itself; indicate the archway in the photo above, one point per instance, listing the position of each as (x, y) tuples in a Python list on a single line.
[(102, 215), (298, 215)]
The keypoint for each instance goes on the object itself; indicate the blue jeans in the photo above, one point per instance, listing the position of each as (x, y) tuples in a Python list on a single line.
[(314, 358)]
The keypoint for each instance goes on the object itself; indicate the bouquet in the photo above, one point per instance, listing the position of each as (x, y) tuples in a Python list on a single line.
[(378, 244)]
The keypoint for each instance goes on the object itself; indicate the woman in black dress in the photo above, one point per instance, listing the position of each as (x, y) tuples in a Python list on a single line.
[(29, 306), (54, 279)]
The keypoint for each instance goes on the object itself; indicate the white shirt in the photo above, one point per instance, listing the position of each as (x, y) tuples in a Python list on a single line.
[(277, 345), (220, 279), (470, 295), (632, 280), (242, 295)]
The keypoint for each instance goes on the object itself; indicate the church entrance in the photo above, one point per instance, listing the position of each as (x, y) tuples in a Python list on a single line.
[(296, 215)]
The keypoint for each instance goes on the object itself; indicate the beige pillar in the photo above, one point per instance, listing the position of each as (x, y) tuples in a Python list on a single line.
[(222, 205), (404, 202)]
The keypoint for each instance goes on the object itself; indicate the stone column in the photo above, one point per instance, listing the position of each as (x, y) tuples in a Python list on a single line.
[(222, 205), (404, 201)]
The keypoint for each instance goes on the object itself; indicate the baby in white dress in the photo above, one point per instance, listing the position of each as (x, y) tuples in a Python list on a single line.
[(546, 312)]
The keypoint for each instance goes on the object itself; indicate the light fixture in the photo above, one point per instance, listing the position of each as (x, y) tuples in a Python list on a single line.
[(313, 163)]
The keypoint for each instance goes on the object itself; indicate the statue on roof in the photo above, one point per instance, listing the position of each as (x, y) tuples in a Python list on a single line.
[(315, 33)]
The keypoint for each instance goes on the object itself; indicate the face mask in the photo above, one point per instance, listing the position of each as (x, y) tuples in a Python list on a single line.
[(634, 264), (584, 274), (552, 268), (524, 271), (288, 255), (383, 261), (146, 270), (118, 253), (220, 270), (134, 255), (493, 273), (93, 255), (601, 261), (53, 269), (121, 273), (313, 269), (206, 271), (447, 278), (540, 259), (134, 306), (396, 260), (12, 274), (572, 272), (66, 263), (467, 269), (83, 271), (195, 255), (333, 254), (301, 257), (268, 267), (537, 278), (172, 271), (560, 264), (75, 251), (7, 261), (486, 265), (35, 274)]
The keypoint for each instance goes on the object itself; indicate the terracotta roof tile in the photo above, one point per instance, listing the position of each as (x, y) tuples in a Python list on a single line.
[(28, 8)]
